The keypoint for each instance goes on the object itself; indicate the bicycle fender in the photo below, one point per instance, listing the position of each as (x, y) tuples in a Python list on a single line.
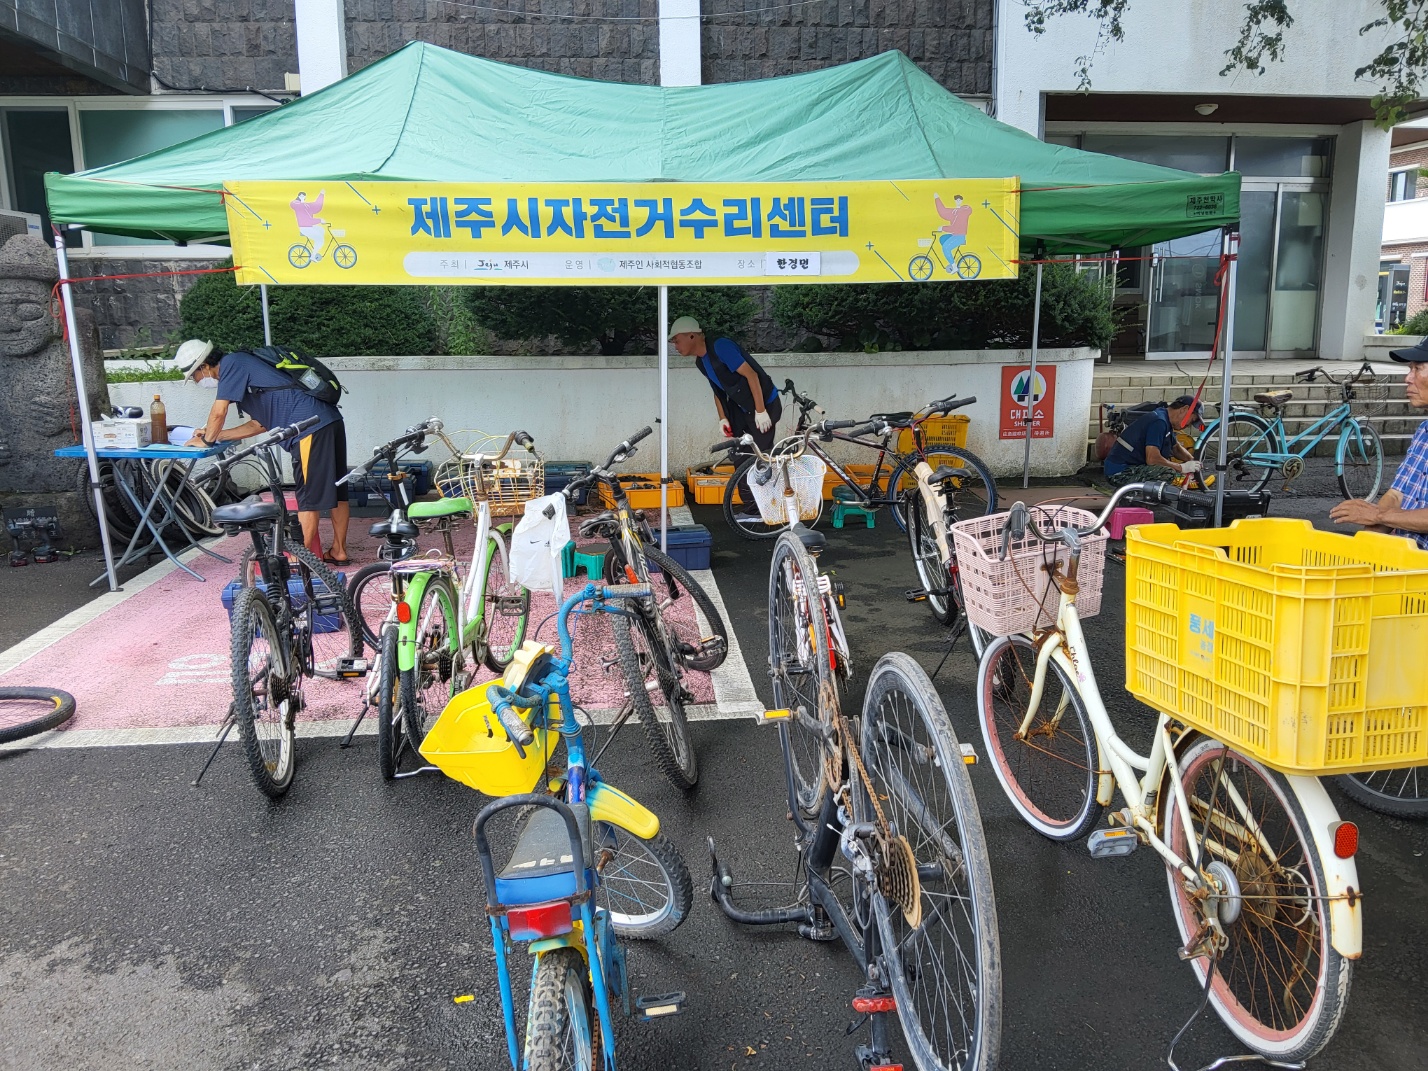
[(609, 804), (574, 939), (1341, 876), (406, 634)]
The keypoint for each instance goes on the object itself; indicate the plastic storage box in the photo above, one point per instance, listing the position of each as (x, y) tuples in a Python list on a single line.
[(559, 474), (321, 623), (642, 489), (1122, 517), (949, 430), (1301, 648), (689, 544), (707, 488)]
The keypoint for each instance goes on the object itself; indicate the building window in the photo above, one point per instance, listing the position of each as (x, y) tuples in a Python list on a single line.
[(36, 140), (1203, 155), (1287, 158), (1403, 185)]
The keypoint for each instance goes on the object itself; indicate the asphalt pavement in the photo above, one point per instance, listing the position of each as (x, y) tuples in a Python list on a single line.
[(147, 924)]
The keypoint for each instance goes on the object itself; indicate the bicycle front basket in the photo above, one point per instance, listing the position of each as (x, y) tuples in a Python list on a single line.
[(467, 745), (505, 483), (805, 479)]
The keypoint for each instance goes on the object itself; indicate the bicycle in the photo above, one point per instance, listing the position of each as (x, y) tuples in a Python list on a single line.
[(437, 615), (974, 488), (300, 254), (589, 862), (653, 651), (1258, 445), (271, 645), (963, 265), (1262, 881), (26, 712), (887, 807)]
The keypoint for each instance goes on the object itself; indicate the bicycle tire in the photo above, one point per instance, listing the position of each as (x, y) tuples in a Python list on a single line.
[(677, 577), (503, 633), (927, 560), (1367, 456), (669, 741), (45, 709), (266, 693), (391, 726), (370, 593), (944, 967), (1051, 777), (1279, 985), (631, 869), (559, 1030), (801, 668), (1258, 437), (344, 639), (119, 513), (1401, 793), (750, 526), (976, 496), (428, 686)]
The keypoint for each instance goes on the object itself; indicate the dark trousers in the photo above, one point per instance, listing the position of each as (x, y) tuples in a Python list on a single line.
[(741, 422)]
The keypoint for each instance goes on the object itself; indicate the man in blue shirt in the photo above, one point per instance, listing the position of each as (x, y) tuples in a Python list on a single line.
[(271, 399), (744, 396), (1403, 509), (1148, 449)]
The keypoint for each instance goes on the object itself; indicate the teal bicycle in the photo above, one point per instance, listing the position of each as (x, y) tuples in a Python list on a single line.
[(1260, 448)]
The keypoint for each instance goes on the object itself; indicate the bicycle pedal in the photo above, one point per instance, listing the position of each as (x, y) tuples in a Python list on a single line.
[(353, 668), (915, 595), (773, 717), (1112, 843), (660, 1007)]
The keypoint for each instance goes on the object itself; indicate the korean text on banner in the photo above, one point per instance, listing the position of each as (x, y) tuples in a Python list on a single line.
[(631, 234)]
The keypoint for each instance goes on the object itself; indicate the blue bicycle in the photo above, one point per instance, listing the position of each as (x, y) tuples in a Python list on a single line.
[(1259, 447), (589, 863)]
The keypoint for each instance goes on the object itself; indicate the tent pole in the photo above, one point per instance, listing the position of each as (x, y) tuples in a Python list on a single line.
[(267, 327), (85, 430), (1232, 248), (1031, 379), (664, 418)]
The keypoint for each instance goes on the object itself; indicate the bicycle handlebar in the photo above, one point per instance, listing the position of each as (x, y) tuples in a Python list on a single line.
[(1019, 520), (946, 405), (268, 438), (627, 591), (503, 704), (413, 437), (727, 444), (619, 454), (803, 401)]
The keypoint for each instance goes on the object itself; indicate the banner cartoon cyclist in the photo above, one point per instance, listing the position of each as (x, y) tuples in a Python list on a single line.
[(951, 238), (314, 230)]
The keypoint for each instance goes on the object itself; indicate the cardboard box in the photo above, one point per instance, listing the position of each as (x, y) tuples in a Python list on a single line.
[(122, 434)]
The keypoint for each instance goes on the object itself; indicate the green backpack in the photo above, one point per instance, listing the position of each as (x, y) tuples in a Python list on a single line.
[(308, 374)]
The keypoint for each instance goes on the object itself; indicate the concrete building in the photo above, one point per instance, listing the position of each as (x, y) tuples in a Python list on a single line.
[(79, 88), (1403, 267)]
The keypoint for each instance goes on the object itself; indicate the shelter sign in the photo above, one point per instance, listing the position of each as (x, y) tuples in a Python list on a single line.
[(1018, 389), (622, 234)]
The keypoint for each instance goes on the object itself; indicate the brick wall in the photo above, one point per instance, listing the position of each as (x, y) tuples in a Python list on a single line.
[(949, 39), (224, 44)]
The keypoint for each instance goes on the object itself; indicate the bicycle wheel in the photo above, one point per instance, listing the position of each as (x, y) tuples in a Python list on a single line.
[(300, 255), (678, 583), (1246, 434), (31, 711), (390, 727), (1401, 793), (266, 696), (1050, 774), (337, 631), (505, 611), (1358, 461), (370, 593), (969, 266), (920, 268), (1279, 985), (559, 1031), (743, 516), (431, 682), (345, 256), (645, 883), (927, 560), (648, 673), (971, 495), (937, 922), (801, 665)]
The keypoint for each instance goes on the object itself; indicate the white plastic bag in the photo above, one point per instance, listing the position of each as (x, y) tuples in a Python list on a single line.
[(536, 546)]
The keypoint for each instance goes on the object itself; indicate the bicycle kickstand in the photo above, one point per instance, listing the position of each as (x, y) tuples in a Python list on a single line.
[(227, 727), (347, 740), (959, 629)]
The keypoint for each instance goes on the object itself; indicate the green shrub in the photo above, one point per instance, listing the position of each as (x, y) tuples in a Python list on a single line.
[(151, 373), (1417, 324), (997, 314), (325, 321), (612, 319)]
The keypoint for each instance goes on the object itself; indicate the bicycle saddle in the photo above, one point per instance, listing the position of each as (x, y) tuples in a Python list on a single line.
[(1276, 398), (400, 529), (603, 525), (541, 867), (893, 418), (945, 472), (812, 541), (249, 513), (442, 507)]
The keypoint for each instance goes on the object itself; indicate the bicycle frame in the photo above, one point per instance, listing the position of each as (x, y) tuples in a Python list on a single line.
[(1334, 420)]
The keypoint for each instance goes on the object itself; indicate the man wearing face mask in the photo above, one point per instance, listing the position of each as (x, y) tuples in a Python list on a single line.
[(271, 399)]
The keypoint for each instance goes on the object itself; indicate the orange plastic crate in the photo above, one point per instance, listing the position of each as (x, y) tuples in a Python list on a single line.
[(642, 489), (707, 488), (950, 430)]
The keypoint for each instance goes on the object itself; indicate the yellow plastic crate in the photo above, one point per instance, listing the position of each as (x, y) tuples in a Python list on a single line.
[(642, 489), (950, 430), (1301, 648)]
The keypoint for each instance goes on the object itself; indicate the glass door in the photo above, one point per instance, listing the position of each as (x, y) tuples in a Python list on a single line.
[(1184, 299)]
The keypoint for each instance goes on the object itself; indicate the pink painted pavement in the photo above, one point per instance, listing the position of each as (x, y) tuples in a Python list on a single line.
[(160, 659)]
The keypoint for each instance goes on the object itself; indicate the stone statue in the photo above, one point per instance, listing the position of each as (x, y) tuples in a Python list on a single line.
[(39, 411)]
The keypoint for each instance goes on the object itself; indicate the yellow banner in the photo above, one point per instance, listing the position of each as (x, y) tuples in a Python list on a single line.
[(623, 234)]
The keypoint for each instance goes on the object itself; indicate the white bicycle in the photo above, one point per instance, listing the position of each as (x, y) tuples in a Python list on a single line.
[(1262, 881)]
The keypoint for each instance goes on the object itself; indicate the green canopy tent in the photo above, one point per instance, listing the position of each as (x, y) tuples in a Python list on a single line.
[(429, 114)]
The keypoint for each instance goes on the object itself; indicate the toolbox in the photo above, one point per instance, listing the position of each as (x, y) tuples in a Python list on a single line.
[(560, 474), (1238, 504), (689, 544), (321, 623)]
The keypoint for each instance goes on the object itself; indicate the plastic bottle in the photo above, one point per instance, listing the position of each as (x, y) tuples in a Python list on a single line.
[(158, 421)]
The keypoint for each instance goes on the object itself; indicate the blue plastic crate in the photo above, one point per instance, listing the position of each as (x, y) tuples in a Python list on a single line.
[(689, 544), (559, 474), (321, 623)]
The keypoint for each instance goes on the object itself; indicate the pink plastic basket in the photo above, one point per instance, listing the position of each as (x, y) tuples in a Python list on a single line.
[(1009, 596)]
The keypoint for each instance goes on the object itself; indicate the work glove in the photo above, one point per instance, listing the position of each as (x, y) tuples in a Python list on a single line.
[(762, 420), (724, 428), (1187, 467)]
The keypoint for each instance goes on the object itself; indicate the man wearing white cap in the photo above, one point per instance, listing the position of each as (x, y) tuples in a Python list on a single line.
[(744, 396)]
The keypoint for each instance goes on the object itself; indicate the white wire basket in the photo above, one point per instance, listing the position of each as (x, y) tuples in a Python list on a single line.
[(506, 484), (1005, 596), (805, 479)]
